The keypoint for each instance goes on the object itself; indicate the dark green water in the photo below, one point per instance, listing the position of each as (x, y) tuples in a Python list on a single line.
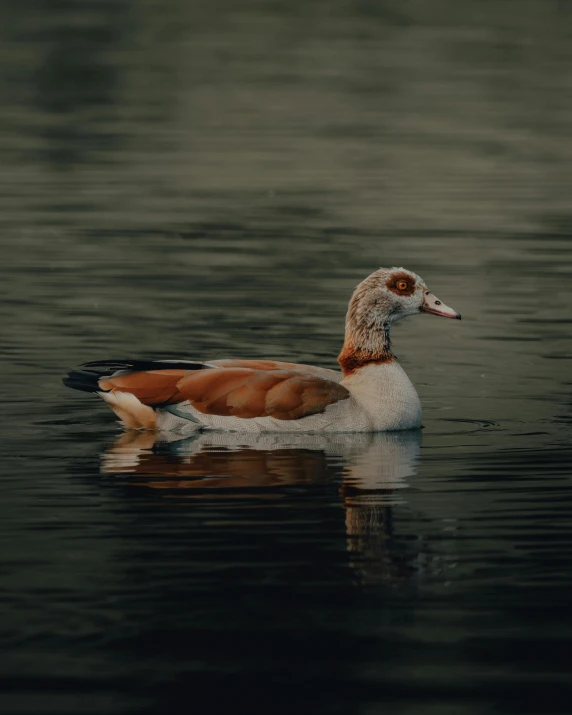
[(183, 179)]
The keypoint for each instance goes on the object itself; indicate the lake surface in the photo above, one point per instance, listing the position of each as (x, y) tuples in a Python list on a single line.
[(212, 180)]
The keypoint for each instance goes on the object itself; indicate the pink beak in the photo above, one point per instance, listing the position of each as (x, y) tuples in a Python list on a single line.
[(432, 304)]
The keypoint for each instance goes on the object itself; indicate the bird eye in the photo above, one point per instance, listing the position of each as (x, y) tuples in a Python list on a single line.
[(401, 285)]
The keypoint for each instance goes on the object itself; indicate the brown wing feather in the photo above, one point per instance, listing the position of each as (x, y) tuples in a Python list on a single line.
[(246, 392), (323, 372), (244, 388), (151, 387), (257, 364)]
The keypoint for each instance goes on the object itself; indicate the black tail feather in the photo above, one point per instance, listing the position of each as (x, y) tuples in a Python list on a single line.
[(82, 380)]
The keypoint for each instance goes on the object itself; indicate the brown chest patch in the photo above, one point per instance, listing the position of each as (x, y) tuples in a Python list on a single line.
[(351, 359)]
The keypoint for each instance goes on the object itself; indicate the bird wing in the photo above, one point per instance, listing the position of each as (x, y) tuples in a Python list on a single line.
[(238, 388), (151, 387), (334, 375), (247, 392)]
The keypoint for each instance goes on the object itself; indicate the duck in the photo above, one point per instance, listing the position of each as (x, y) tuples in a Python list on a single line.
[(370, 393)]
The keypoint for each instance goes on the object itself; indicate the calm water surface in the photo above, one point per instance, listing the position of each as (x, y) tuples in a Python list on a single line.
[(181, 180)]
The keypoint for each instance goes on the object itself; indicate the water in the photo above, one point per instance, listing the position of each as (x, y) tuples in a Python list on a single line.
[(190, 180)]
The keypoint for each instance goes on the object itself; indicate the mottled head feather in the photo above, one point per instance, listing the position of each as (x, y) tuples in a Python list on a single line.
[(383, 298)]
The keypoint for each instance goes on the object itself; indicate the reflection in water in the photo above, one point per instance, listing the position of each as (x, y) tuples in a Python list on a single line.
[(371, 469)]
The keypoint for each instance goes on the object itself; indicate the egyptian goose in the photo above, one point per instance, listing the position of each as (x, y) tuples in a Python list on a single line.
[(372, 393)]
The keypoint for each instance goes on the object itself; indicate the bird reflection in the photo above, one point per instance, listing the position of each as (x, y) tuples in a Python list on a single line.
[(370, 469)]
